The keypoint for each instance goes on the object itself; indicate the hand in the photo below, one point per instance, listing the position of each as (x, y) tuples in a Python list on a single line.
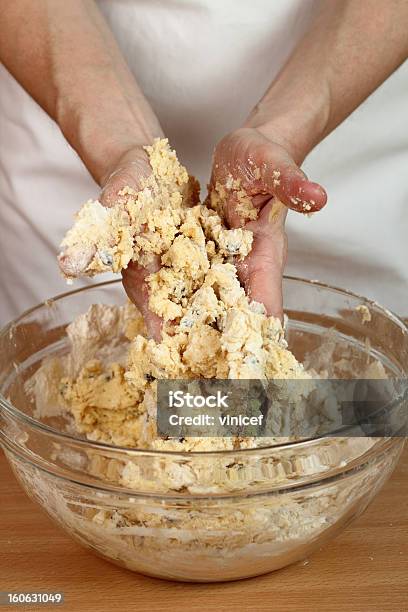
[(129, 171), (262, 162)]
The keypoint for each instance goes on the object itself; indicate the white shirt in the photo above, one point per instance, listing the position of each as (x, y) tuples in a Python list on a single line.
[(203, 65)]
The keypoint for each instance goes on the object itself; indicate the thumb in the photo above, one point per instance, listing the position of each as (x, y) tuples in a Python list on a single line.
[(261, 272), (137, 290), (130, 172), (283, 178)]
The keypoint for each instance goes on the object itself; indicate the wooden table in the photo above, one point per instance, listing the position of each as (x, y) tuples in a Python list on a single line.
[(364, 569)]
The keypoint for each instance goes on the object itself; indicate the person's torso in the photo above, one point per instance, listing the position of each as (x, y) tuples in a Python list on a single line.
[(203, 65)]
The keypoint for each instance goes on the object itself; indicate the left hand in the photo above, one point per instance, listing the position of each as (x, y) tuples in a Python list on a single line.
[(265, 168)]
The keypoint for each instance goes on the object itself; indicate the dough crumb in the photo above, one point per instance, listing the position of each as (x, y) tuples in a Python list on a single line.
[(364, 312)]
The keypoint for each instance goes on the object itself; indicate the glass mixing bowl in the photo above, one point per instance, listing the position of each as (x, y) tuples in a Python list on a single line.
[(233, 514)]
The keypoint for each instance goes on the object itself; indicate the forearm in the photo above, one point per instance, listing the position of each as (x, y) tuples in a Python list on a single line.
[(349, 50), (65, 56)]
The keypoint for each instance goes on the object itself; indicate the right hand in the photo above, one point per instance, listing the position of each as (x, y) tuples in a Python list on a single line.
[(128, 172)]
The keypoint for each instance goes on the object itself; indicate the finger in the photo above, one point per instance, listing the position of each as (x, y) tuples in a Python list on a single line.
[(293, 188), (281, 176), (137, 290), (130, 174), (261, 272), (73, 261), (262, 168)]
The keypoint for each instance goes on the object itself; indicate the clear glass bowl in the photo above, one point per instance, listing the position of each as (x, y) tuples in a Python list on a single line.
[(235, 514)]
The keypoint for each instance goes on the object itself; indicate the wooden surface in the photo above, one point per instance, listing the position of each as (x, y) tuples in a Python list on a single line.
[(364, 569)]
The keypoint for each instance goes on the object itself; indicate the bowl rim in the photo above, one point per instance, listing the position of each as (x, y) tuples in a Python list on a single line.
[(374, 453), (104, 446)]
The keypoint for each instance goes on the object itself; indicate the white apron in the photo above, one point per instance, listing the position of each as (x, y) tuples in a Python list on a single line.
[(203, 65)]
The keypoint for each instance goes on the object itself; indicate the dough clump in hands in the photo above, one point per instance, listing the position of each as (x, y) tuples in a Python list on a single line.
[(211, 328)]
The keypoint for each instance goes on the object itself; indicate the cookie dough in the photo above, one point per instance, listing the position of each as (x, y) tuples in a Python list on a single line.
[(211, 329), (233, 190), (365, 313), (104, 382)]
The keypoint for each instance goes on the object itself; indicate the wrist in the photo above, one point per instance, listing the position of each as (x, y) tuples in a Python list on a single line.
[(106, 138), (297, 125)]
